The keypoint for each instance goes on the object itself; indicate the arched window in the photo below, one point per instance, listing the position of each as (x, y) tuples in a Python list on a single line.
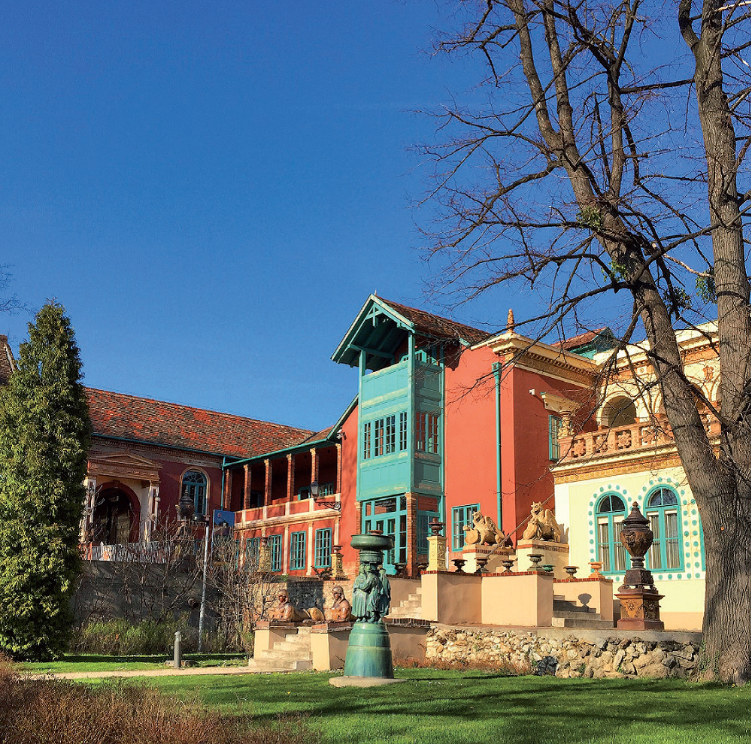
[(620, 411), (194, 484), (611, 511), (665, 523)]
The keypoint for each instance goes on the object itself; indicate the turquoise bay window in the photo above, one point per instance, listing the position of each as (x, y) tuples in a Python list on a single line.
[(297, 551)]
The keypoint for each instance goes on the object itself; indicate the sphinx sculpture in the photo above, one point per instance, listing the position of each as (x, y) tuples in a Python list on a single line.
[(340, 610), (483, 532), (542, 525)]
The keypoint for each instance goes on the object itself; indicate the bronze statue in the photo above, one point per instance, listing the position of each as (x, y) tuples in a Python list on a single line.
[(340, 610), (371, 596)]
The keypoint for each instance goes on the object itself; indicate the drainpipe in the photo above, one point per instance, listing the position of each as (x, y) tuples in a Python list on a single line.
[(221, 493), (497, 375)]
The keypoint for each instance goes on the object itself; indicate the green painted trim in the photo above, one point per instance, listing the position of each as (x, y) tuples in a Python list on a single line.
[(302, 447), (497, 375)]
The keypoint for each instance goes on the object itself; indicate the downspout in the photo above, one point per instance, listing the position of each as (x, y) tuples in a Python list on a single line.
[(221, 493), (497, 375)]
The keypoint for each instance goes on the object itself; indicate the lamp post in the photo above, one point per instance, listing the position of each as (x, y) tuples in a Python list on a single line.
[(206, 522)]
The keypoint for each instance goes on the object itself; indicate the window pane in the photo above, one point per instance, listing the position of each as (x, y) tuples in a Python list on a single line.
[(603, 542), (323, 548), (403, 431), (655, 556), (619, 552), (390, 443), (672, 544), (366, 441), (378, 449)]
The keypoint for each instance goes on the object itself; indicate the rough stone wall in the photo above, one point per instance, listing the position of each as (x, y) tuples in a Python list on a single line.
[(569, 656)]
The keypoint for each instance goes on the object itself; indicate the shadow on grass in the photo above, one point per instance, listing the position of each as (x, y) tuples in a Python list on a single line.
[(456, 707)]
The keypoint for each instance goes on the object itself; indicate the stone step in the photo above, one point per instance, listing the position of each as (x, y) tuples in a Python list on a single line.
[(278, 653), (581, 622), (280, 665), (294, 642), (564, 606), (576, 615)]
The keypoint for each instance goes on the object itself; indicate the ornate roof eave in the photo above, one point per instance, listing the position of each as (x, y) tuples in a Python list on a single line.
[(537, 356)]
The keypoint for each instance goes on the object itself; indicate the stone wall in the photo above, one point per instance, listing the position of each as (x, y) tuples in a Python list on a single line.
[(566, 653)]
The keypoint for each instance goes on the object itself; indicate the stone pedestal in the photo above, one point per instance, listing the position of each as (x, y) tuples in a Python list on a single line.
[(640, 610), (337, 567), (471, 553), (554, 554), (436, 553)]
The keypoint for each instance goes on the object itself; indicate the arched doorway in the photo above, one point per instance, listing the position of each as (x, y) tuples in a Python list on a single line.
[(115, 521)]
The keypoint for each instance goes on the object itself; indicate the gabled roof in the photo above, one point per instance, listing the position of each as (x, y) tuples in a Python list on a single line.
[(129, 417), (436, 326), (382, 325), (588, 343)]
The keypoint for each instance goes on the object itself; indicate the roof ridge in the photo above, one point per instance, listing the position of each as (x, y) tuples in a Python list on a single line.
[(195, 408), (428, 312)]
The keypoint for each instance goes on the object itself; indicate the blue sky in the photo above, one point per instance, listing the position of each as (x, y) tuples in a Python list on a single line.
[(213, 189)]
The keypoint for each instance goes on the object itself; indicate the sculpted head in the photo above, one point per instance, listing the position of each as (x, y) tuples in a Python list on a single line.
[(338, 592)]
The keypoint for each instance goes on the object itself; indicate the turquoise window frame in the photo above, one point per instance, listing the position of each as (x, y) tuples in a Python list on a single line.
[(323, 548), (554, 429), (297, 546), (403, 432), (461, 516), (610, 520), (660, 511), (366, 431), (275, 548), (252, 550)]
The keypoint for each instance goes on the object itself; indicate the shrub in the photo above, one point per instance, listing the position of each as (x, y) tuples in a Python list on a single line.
[(33, 711), (121, 638)]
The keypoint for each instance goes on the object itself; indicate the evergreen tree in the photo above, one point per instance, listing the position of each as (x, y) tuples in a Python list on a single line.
[(45, 433)]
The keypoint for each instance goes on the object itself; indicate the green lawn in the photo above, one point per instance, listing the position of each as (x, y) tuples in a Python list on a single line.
[(439, 707), (101, 663)]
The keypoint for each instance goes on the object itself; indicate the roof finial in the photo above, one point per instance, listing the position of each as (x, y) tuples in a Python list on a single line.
[(510, 325)]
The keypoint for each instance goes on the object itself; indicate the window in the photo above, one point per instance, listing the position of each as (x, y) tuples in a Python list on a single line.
[(461, 517), (422, 533), (194, 484), (402, 431), (378, 449), (275, 548), (323, 549), (297, 551), (390, 444), (554, 429), (366, 441), (611, 512), (426, 432), (662, 512), (326, 489), (252, 550)]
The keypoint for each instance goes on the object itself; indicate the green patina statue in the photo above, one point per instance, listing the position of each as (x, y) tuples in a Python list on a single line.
[(371, 595)]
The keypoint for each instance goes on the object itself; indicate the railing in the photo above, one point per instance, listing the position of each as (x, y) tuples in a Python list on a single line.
[(624, 439), (286, 509), (143, 552)]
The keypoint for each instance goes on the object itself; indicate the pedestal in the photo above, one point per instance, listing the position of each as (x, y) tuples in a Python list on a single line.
[(553, 554), (369, 652), (492, 553), (436, 553), (640, 610), (337, 567)]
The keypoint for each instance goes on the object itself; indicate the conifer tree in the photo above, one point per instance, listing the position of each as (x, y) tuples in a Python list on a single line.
[(45, 433)]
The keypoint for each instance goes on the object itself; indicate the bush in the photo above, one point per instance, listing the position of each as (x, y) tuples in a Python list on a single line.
[(121, 638), (33, 711)]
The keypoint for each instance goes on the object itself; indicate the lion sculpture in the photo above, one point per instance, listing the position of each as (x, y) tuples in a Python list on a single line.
[(483, 532), (542, 525)]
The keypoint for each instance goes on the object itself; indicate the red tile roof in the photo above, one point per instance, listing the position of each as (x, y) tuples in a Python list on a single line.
[(434, 325), (156, 422), (580, 340)]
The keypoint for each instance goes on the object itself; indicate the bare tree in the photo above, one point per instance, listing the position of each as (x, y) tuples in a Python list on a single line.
[(598, 160)]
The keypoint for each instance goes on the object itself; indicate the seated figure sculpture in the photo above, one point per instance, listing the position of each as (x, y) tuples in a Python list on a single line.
[(340, 610), (542, 525), (285, 611), (483, 532)]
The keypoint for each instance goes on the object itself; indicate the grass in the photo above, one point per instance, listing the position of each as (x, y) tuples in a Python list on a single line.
[(449, 707), (102, 663)]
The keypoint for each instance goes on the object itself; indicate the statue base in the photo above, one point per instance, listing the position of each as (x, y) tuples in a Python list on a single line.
[(369, 652), (363, 681), (640, 610)]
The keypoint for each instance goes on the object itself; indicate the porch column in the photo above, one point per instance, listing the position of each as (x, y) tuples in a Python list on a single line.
[(246, 489), (88, 508), (313, 464), (338, 467), (290, 476), (227, 495), (267, 484)]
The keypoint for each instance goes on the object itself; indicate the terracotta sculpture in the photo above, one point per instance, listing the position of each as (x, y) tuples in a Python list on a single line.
[(542, 525), (285, 611), (483, 532), (340, 610)]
